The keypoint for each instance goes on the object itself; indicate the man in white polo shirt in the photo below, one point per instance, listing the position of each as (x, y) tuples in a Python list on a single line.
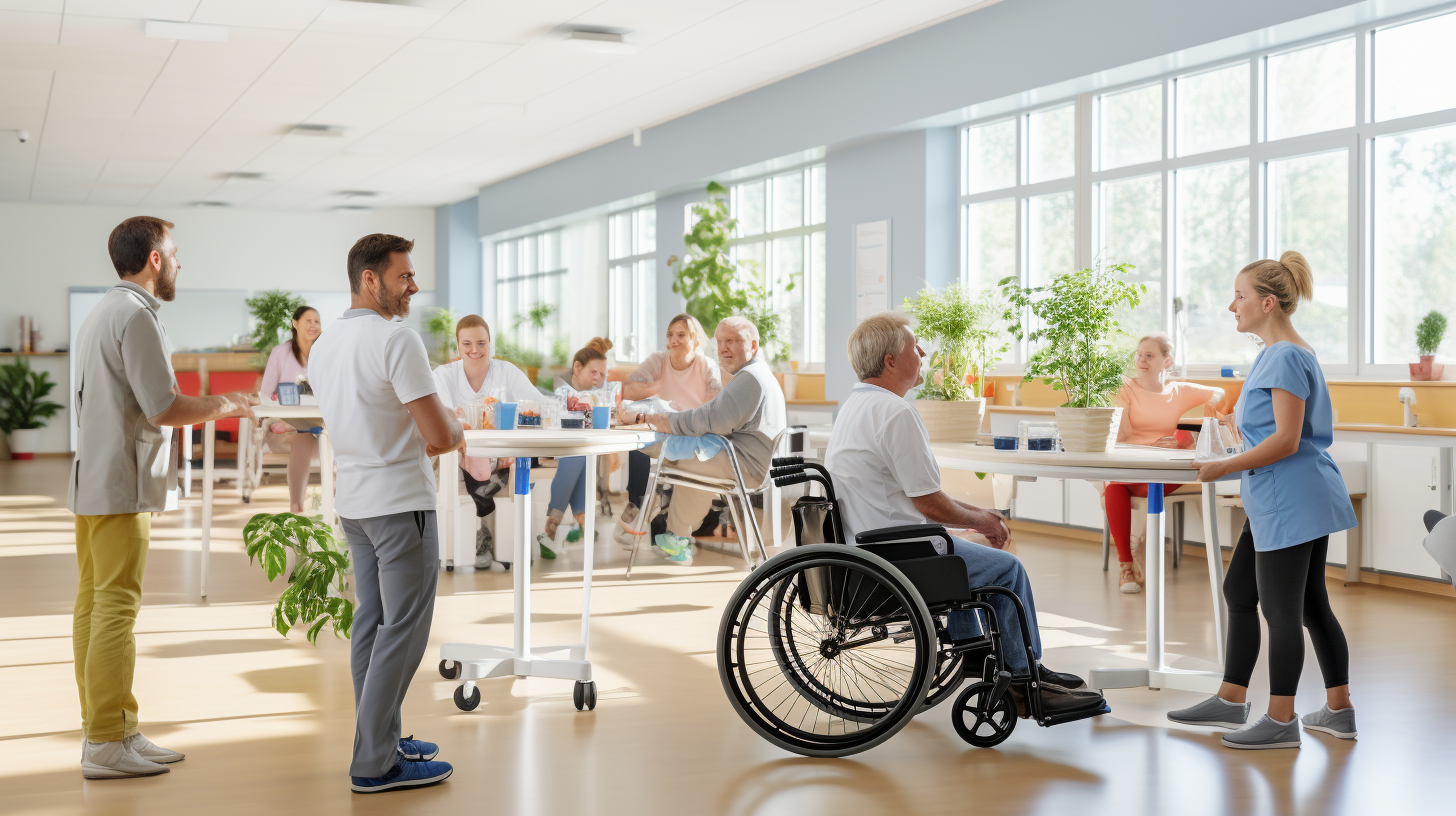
[(377, 396), (885, 476)]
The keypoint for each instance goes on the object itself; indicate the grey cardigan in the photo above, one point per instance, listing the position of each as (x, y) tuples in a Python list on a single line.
[(749, 411)]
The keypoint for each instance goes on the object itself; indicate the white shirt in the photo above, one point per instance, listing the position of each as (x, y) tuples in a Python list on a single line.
[(363, 370), (879, 457), (455, 390)]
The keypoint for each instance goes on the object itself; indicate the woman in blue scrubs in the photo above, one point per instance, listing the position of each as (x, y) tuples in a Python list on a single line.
[(1295, 498)]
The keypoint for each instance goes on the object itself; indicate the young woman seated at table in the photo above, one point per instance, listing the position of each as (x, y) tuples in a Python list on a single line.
[(468, 380), (1151, 408), (288, 363), (568, 486), (684, 376)]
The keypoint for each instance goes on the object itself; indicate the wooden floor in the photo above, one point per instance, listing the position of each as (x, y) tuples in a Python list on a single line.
[(267, 722)]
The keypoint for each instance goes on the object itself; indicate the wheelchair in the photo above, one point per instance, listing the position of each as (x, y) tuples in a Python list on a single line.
[(827, 650)]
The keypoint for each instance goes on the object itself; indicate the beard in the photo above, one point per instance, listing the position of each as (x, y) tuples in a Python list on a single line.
[(167, 284), (396, 305)]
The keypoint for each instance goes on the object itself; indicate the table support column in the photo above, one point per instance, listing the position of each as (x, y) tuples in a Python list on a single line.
[(521, 566), (326, 477), (589, 537), (209, 451), (1214, 552), (1154, 579)]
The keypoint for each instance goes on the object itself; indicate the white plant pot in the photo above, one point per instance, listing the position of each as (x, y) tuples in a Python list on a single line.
[(24, 442), (952, 420), (1088, 430)]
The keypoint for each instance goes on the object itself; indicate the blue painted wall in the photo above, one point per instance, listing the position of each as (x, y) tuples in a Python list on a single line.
[(459, 282)]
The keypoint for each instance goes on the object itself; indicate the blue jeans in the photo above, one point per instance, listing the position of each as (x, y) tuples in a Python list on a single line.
[(569, 485), (986, 566)]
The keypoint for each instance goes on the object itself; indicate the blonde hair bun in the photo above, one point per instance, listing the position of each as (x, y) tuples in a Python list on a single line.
[(1289, 280), (1298, 268), (601, 344)]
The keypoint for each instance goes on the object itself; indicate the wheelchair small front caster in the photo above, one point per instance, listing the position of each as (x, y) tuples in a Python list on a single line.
[(450, 670), (979, 724), (449, 567), (247, 500), (467, 703), (584, 695)]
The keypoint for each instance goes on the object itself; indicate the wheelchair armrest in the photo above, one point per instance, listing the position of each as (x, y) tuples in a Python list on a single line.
[(901, 550), (904, 532)]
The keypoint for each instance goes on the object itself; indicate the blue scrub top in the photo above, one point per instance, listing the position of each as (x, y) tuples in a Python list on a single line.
[(1303, 496)]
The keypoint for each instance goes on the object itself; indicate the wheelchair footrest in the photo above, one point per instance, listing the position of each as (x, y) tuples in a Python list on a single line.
[(1072, 716)]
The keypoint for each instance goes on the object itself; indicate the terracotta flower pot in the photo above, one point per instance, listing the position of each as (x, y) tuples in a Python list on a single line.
[(951, 420), (1427, 369)]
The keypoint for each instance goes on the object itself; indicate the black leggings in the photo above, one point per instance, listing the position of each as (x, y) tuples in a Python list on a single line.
[(1289, 585)]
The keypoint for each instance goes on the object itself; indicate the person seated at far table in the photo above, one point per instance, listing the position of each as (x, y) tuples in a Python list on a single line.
[(466, 381), (568, 486), (749, 411), (1151, 408), (885, 475), (288, 362)]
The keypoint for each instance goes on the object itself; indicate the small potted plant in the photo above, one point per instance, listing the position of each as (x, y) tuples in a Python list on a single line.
[(316, 586), (968, 345), (24, 407), (1072, 327), (441, 326), (272, 312), (1429, 334)]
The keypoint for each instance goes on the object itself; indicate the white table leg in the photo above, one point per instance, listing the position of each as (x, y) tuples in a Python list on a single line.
[(589, 537), (1153, 550), (187, 461), (521, 482), (326, 476), (245, 473), (209, 445), (1214, 550)]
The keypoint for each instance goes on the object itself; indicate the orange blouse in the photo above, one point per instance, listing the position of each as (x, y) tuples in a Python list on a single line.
[(1148, 416)]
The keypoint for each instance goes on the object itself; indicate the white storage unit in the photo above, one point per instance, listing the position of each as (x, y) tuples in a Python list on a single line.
[(1041, 500), (1407, 482)]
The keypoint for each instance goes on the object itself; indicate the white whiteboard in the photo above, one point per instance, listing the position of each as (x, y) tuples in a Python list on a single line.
[(871, 268)]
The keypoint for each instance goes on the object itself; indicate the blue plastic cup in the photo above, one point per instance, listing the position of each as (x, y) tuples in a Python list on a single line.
[(1226, 371), (601, 417), (288, 394), (505, 416)]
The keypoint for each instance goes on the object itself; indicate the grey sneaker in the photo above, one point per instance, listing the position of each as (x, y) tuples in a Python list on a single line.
[(484, 548), (1265, 733), (1214, 711), (1335, 723)]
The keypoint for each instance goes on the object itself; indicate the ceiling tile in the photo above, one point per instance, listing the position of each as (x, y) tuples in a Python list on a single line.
[(293, 15), (30, 26), (506, 21), (133, 9), (49, 6)]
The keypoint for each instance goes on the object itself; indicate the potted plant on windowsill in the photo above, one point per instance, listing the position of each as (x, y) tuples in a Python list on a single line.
[(1429, 334), (1072, 327), (24, 407), (968, 345)]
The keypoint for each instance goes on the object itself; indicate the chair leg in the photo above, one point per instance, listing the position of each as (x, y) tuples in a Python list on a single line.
[(1179, 511), (644, 516), (748, 518), (742, 533), (1106, 543)]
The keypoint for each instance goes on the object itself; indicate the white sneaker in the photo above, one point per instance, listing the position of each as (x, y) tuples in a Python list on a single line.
[(151, 751), (116, 760)]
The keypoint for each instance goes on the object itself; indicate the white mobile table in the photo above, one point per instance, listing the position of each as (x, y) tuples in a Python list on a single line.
[(1152, 466), (471, 662), (266, 409)]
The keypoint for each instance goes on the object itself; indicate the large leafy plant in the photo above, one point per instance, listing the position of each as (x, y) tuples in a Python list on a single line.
[(23, 392), (707, 276), (968, 342), (441, 326), (1430, 332), (1073, 330), (272, 315), (320, 569)]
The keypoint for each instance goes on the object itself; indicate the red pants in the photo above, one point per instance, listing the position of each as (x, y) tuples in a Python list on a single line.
[(1117, 498)]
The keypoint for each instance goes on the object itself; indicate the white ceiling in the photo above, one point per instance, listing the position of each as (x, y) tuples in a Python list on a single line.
[(437, 98)]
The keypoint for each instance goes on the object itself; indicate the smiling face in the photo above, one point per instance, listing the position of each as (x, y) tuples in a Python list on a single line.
[(393, 287), (1150, 358), (474, 343), (680, 341), (165, 258), (1250, 310), (308, 327), (735, 349)]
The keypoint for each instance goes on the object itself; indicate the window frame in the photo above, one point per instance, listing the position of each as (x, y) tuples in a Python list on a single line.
[(628, 265)]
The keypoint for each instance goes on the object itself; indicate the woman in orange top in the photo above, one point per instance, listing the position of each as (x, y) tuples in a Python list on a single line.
[(1151, 408)]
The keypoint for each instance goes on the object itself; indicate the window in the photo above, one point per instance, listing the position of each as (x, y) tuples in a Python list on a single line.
[(1274, 151), (632, 282), (781, 237), (528, 281)]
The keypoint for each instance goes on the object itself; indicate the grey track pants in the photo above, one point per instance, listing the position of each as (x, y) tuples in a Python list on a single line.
[(396, 564)]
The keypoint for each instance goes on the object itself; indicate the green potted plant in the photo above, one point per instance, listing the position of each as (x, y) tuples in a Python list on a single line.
[(272, 312), (1429, 334), (967, 346), (1072, 327), (316, 586), (441, 326), (24, 407), (708, 277)]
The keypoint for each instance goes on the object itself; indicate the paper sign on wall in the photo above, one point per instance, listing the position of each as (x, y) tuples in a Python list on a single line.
[(871, 268)]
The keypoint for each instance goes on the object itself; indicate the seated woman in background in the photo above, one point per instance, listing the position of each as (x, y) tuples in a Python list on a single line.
[(468, 380), (288, 362), (588, 371), (1151, 408), (684, 376)]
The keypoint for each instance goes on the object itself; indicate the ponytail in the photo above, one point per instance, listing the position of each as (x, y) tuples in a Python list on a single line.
[(1288, 279)]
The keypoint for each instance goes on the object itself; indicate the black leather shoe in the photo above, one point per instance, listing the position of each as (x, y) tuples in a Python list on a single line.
[(1057, 700), (1067, 681)]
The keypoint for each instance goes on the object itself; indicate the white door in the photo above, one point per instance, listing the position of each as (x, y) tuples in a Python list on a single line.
[(1404, 485)]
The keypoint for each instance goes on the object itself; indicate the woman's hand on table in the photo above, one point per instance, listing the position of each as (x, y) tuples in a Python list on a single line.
[(1212, 470)]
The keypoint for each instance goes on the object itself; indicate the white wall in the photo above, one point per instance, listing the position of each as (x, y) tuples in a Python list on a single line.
[(52, 247)]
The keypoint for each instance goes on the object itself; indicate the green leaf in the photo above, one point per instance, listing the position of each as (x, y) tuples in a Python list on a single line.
[(313, 631), (275, 560)]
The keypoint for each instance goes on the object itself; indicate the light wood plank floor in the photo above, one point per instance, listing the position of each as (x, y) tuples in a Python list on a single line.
[(267, 722)]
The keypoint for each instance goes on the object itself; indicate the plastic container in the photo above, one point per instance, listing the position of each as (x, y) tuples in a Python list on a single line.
[(1038, 436), (528, 414), (288, 394), (572, 420), (477, 418), (1005, 442), (601, 417)]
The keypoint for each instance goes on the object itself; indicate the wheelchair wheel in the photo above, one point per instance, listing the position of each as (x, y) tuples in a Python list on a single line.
[(825, 650), (947, 678), (979, 724)]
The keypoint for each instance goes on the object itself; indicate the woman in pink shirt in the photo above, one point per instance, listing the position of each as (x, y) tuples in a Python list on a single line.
[(289, 363), (685, 377), (1151, 408)]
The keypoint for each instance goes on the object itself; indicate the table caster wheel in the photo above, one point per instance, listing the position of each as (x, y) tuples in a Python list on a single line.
[(450, 670), (584, 695), (449, 567), (247, 500), (467, 703), (507, 565)]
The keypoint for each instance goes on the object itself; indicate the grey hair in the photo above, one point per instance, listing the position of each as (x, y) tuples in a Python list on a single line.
[(872, 339), (740, 324)]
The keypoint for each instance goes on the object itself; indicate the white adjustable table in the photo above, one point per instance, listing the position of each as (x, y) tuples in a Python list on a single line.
[(471, 662), (1154, 467)]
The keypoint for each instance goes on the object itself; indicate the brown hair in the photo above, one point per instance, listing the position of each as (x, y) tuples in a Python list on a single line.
[(1165, 343), (471, 322), (372, 252), (298, 313), (595, 349), (133, 241), (1288, 279), (695, 330)]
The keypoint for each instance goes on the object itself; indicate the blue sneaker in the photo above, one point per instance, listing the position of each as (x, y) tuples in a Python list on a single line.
[(403, 775), (414, 750), (678, 549)]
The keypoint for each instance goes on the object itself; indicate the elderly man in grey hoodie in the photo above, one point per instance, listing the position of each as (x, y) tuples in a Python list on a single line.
[(749, 411)]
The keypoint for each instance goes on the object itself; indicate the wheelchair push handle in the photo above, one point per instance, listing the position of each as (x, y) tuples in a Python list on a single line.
[(786, 461)]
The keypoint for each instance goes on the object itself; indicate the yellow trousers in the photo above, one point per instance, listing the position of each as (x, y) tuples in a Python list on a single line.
[(111, 554)]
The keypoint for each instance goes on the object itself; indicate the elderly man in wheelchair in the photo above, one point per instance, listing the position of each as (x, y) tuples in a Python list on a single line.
[(827, 650)]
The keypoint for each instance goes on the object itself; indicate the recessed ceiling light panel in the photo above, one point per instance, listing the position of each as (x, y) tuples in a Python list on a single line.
[(600, 40), (332, 131), (243, 177)]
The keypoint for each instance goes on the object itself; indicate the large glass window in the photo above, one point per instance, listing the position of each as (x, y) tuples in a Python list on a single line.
[(1415, 68), (1213, 244), (1213, 110), (990, 157), (1130, 230), (990, 242), (1130, 127), (632, 279), (1309, 211), (529, 275), (1053, 144), (1051, 236), (1312, 90)]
